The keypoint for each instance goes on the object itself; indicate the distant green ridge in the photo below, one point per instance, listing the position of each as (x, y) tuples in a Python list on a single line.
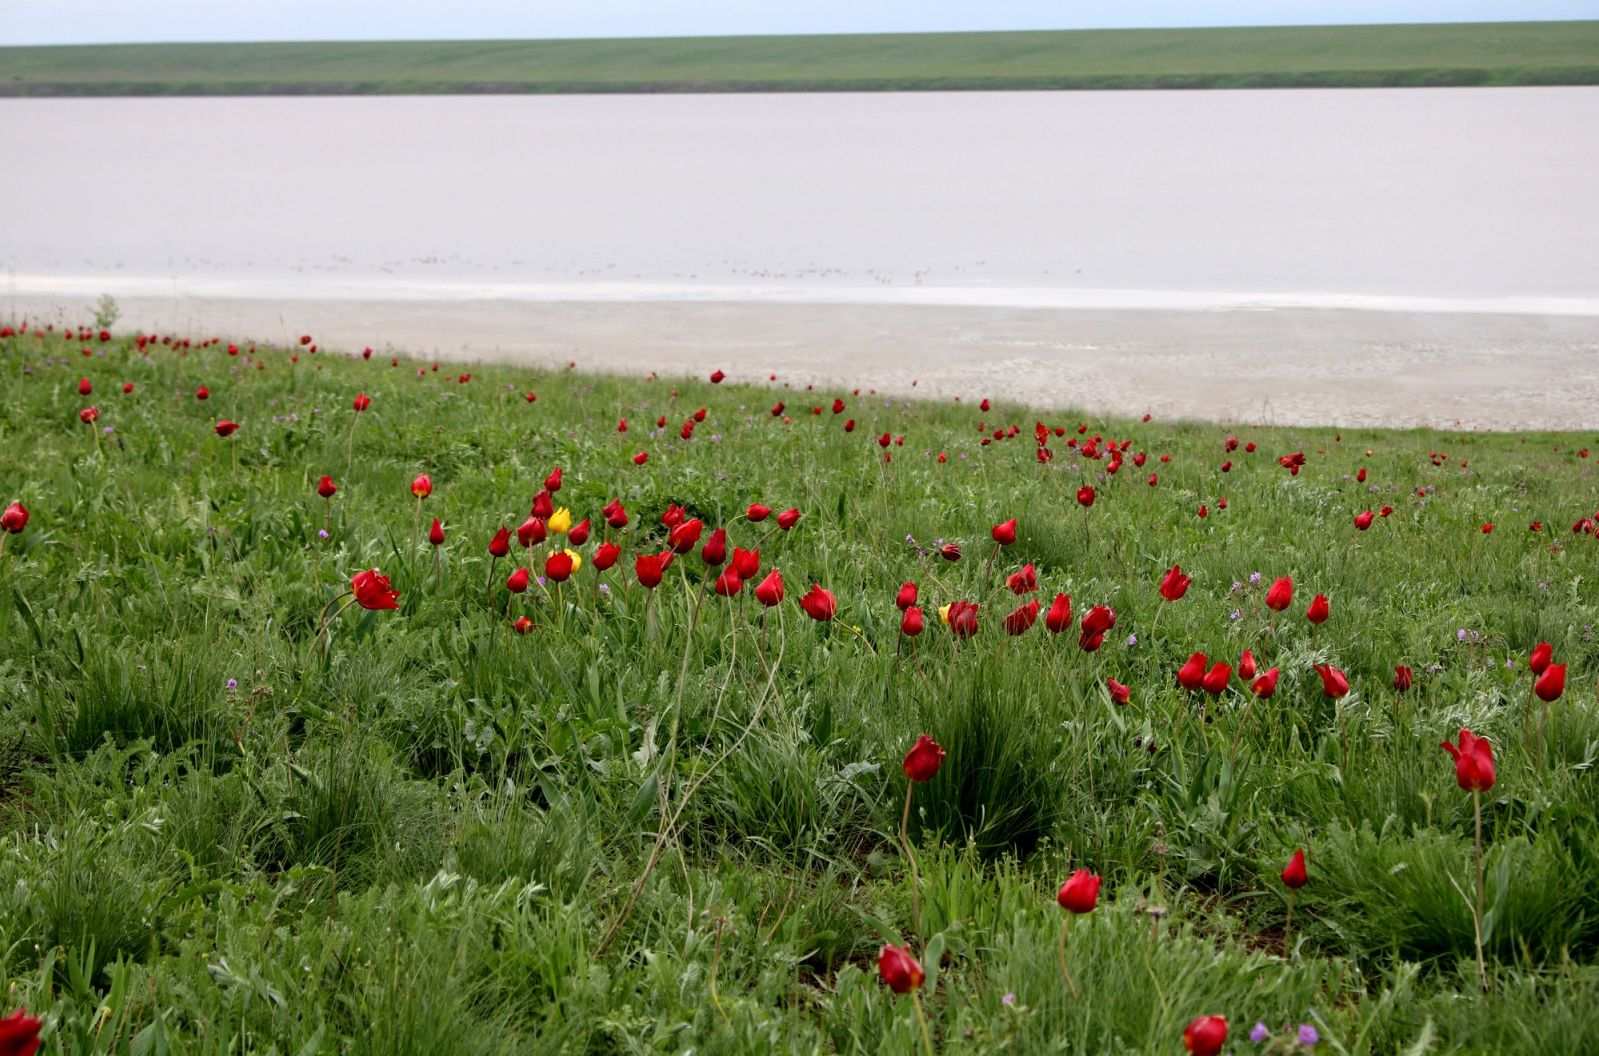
[(1498, 53)]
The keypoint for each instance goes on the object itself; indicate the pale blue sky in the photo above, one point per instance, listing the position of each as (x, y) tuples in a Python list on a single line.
[(99, 21)]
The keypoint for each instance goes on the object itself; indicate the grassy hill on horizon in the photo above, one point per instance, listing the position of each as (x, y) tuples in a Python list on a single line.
[(1419, 55)]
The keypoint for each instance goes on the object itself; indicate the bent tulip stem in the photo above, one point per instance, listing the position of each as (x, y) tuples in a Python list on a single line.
[(1477, 909), (921, 1020), (910, 856), (327, 619), (1060, 949)]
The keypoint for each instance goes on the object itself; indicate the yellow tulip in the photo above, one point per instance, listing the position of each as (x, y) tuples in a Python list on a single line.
[(943, 614), (560, 521), (577, 558)]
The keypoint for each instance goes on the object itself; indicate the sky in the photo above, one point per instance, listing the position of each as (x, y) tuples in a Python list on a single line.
[(109, 21)]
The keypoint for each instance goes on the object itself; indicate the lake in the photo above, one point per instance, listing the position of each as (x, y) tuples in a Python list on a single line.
[(1450, 197)]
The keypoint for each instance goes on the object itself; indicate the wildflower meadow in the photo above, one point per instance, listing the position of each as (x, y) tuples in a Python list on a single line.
[(356, 703)]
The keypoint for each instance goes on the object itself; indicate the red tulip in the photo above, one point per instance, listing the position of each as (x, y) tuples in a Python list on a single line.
[(1004, 533), (899, 970), (578, 534), (552, 483), (714, 552), (770, 590), (758, 512), (1264, 686), (912, 622), (605, 555), (1403, 676), (1246, 666), (716, 377), (747, 563), (1487, 528), (1021, 619), (1333, 682), (1474, 762), (202, 393), (1085, 496), (436, 533), (362, 402), (1174, 584), (1363, 519), (788, 518), (1059, 616), (683, 536), (558, 566), (963, 618), (950, 552), (641, 458), (923, 760), (1080, 892), (819, 603), (372, 591), (1551, 683), (19, 1034), (422, 486), (1023, 581), (15, 518), (127, 388), (226, 428), (1280, 595), (543, 505), (530, 532), (1543, 654), (650, 567), (500, 545), (1319, 609), (1098, 619), (516, 582), (1119, 693), (85, 387), (523, 625), (326, 488), (1216, 679), (615, 515), (1294, 876), (838, 406), (621, 425), (1191, 675), (1205, 1035), (906, 596), (1360, 475)]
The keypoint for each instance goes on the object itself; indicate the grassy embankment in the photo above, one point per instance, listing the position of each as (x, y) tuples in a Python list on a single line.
[(1298, 56), (423, 832)]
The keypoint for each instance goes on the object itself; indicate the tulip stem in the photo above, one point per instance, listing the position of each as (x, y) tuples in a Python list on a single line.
[(327, 620), (1537, 720), (921, 1020), (1060, 949), (1477, 910), (488, 588), (1288, 924), (349, 452), (910, 856)]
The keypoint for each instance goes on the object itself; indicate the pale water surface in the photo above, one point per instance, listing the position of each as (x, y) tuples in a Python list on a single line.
[(1449, 198)]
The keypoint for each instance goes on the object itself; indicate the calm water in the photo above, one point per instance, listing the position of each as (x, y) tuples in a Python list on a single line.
[(1445, 193)]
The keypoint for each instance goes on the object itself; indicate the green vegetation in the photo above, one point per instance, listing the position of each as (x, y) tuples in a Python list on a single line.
[(225, 830), (1269, 57)]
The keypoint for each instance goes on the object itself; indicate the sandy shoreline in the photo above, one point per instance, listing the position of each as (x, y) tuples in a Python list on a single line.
[(1306, 366)]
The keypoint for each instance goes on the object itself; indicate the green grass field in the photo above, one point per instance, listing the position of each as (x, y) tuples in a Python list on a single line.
[(1302, 56), (240, 816)]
